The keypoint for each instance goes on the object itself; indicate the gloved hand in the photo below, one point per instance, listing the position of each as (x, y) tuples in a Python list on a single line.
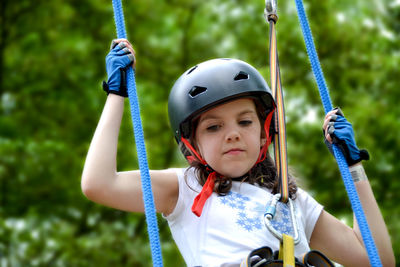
[(339, 131), (118, 60)]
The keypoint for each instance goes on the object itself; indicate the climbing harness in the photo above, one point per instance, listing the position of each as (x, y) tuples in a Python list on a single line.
[(343, 167), (265, 257), (149, 207)]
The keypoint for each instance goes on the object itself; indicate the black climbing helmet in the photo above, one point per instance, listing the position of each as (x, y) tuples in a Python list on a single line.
[(209, 84)]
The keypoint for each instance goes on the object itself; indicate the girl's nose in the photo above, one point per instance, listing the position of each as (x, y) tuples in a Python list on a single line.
[(232, 135)]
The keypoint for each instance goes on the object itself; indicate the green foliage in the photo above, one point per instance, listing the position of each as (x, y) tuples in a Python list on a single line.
[(51, 67)]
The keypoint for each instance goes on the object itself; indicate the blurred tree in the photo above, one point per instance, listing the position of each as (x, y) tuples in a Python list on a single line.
[(51, 67)]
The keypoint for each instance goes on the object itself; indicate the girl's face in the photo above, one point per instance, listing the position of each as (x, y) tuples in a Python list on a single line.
[(229, 137)]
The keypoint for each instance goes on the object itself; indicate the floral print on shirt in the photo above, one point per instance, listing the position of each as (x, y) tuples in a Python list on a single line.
[(249, 215)]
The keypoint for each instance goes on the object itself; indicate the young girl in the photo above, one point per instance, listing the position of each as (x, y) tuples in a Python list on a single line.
[(220, 112)]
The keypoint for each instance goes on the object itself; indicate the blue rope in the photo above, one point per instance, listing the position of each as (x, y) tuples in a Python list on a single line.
[(343, 167), (149, 207)]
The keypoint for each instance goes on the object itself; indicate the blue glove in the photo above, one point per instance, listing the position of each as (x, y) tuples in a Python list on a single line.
[(117, 61), (341, 132)]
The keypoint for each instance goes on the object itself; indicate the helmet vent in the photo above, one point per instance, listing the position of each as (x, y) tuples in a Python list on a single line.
[(196, 90), (241, 76), (191, 70)]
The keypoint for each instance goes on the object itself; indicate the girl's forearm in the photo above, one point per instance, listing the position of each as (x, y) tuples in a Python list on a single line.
[(375, 221)]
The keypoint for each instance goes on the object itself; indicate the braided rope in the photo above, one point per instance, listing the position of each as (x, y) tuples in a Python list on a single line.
[(343, 167), (149, 207)]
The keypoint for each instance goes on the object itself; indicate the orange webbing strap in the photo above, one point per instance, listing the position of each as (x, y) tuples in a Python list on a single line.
[(280, 146), (286, 251)]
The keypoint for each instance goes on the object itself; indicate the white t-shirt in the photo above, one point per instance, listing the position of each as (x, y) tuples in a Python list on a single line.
[(233, 225)]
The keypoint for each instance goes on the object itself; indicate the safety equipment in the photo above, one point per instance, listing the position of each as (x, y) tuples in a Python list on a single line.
[(117, 61), (265, 257), (280, 144), (207, 85), (151, 219), (212, 83), (270, 214), (368, 240), (342, 134), (148, 199)]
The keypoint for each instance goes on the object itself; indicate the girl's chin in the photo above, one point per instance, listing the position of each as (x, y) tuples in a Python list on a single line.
[(235, 176)]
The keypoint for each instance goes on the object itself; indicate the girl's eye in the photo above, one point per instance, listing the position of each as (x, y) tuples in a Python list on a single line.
[(213, 128), (245, 122)]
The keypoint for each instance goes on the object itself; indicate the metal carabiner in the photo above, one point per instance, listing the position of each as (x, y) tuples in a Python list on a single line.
[(270, 214), (270, 10)]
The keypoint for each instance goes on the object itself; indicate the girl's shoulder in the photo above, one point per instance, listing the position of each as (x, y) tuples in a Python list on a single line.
[(303, 195), (187, 179), (308, 206)]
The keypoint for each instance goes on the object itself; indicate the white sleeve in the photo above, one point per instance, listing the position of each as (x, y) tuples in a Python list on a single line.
[(188, 190), (310, 209), (179, 207)]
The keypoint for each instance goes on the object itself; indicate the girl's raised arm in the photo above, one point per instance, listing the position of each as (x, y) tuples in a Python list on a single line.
[(101, 182), (338, 241)]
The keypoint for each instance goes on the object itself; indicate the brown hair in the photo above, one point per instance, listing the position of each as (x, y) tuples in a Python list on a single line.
[(264, 173)]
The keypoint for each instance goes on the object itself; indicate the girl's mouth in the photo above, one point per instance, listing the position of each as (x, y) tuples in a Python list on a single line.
[(234, 151)]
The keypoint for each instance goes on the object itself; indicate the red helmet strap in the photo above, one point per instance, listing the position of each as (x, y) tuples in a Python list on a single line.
[(264, 149)]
